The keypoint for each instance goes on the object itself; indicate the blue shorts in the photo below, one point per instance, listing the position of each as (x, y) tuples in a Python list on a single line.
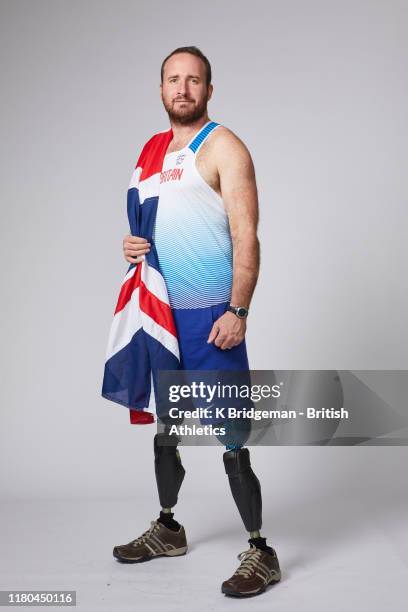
[(193, 328)]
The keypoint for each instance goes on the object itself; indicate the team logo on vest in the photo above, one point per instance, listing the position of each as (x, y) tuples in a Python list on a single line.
[(171, 175), (180, 159)]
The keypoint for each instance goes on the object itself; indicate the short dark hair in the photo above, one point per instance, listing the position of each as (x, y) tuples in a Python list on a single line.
[(193, 51)]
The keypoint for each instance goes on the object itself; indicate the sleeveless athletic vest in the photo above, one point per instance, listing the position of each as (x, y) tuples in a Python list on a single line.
[(191, 231)]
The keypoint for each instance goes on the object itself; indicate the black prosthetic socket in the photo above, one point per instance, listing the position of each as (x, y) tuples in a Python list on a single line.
[(245, 487), (168, 468), (261, 543), (166, 519)]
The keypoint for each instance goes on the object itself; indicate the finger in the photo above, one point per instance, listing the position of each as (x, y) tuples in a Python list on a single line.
[(136, 245), (220, 339), (135, 259), (133, 245), (135, 239), (225, 347), (135, 251), (213, 333), (227, 344)]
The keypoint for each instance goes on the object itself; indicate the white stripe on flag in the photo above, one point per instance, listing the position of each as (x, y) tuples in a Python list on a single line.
[(134, 181), (125, 324), (129, 275), (160, 334), (154, 282), (148, 188)]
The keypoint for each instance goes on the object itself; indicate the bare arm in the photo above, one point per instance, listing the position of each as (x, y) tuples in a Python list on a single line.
[(239, 193)]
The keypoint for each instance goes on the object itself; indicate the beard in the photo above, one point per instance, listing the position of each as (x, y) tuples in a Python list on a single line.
[(186, 114)]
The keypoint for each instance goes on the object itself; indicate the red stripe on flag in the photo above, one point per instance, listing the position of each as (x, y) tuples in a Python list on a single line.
[(127, 289), (140, 417), (159, 311), (152, 156)]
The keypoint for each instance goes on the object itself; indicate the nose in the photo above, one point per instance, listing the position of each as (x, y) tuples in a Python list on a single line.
[(182, 88)]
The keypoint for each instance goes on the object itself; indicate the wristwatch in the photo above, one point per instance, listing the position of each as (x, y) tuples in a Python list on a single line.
[(240, 311)]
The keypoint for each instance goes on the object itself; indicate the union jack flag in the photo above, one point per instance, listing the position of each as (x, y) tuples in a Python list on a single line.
[(142, 338)]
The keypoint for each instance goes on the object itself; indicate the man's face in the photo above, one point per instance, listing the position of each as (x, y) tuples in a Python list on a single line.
[(184, 91)]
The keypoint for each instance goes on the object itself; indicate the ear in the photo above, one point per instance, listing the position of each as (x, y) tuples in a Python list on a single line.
[(210, 91)]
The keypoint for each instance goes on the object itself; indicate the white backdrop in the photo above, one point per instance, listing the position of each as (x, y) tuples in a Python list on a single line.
[(317, 91)]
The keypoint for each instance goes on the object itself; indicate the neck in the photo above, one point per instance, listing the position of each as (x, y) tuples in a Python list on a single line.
[(183, 133)]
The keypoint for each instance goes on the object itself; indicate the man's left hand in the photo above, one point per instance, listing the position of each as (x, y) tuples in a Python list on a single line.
[(227, 331)]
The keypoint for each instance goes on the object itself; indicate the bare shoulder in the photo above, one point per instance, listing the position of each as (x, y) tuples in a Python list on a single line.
[(225, 140), (223, 157), (224, 146)]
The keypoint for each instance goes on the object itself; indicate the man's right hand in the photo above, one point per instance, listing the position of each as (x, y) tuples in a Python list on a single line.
[(134, 248)]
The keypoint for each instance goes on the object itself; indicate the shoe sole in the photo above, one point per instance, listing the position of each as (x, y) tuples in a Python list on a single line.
[(178, 552), (274, 580)]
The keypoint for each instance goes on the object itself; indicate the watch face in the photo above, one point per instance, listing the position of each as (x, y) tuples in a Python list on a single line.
[(242, 312)]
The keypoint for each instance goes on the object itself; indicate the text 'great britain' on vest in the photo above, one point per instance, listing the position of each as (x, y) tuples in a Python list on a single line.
[(171, 175)]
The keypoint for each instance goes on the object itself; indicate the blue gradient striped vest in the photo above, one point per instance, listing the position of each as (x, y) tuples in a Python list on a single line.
[(191, 232)]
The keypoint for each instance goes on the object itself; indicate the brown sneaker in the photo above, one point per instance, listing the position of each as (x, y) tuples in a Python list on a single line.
[(157, 541), (258, 569)]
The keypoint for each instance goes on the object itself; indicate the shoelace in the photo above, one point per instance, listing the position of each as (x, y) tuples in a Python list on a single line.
[(154, 526), (249, 558)]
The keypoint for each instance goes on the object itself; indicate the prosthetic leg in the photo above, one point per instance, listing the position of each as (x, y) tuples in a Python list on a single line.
[(245, 487), (168, 468), (165, 537)]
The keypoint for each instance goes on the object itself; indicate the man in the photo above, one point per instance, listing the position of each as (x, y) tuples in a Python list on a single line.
[(205, 235)]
